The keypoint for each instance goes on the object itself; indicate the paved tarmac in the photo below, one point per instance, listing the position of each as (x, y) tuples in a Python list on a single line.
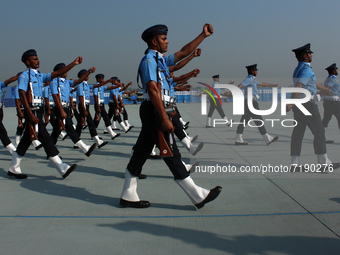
[(256, 213)]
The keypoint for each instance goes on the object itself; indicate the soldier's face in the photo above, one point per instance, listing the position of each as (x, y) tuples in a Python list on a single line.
[(254, 73), (64, 75), (33, 62), (309, 56), (163, 42)]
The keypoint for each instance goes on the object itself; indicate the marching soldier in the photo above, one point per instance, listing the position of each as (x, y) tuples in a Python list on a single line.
[(60, 89), (122, 106), (117, 107), (250, 82), (83, 99), (218, 105), (331, 104), (3, 133), (157, 89), (304, 77), (30, 86), (21, 121), (98, 94)]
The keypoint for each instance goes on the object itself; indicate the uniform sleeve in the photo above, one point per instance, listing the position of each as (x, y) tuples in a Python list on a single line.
[(246, 82), (54, 87), (80, 89), (46, 77), (23, 82), (71, 83), (147, 70), (331, 82), (95, 91), (170, 60), (45, 92), (303, 76), (2, 84), (16, 93)]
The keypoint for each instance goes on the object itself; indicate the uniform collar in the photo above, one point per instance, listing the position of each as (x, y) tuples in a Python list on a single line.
[(35, 71), (154, 53), (305, 63)]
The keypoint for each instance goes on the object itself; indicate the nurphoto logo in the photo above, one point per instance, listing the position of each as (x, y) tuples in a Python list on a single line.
[(238, 103)]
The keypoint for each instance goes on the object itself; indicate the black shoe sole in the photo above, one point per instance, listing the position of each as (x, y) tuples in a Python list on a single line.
[(200, 146), (128, 129), (211, 196), (138, 204), (64, 137), (115, 136), (70, 170), (92, 148), (18, 176), (103, 144), (194, 138), (142, 176), (274, 140), (39, 147), (238, 143)]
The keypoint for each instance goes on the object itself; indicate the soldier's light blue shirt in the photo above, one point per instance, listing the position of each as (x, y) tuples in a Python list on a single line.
[(99, 92), (249, 81), (172, 87), (148, 66), (83, 90), (113, 92), (16, 93), (304, 75), (47, 93), (120, 93), (37, 80), (62, 86), (218, 91), (333, 84), (2, 85), (73, 94)]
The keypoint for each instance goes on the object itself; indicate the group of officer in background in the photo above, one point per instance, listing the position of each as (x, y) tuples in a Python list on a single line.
[(52, 98)]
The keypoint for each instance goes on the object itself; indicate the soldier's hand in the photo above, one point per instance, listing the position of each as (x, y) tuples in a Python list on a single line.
[(289, 107), (196, 72), (167, 126), (63, 114), (92, 69), (329, 92), (208, 30), (197, 52), (85, 113), (20, 115), (78, 60), (34, 119)]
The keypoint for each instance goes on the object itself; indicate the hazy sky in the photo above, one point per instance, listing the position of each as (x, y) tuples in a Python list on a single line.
[(107, 34)]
